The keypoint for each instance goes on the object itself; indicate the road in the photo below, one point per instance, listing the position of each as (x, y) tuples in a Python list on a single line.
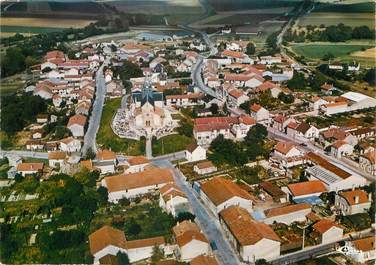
[(210, 225), (96, 113), (349, 165), (41, 155)]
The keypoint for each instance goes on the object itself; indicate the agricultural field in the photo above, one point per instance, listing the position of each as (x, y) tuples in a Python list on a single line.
[(230, 5), (12, 25), (333, 18), (344, 52)]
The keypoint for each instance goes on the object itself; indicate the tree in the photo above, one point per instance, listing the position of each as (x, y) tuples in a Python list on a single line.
[(158, 254), (256, 133), (262, 262), (286, 98), (298, 81), (250, 49), (90, 154), (122, 258), (214, 108), (132, 228), (370, 76), (185, 216), (103, 194), (328, 56)]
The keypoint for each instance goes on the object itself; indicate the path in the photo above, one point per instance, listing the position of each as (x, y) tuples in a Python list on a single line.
[(96, 113), (210, 225)]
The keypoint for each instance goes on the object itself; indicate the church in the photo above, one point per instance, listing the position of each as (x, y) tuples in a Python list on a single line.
[(149, 110)]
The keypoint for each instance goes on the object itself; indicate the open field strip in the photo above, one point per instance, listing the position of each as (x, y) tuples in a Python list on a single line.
[(333, 18), (369, 53), (45, 22)]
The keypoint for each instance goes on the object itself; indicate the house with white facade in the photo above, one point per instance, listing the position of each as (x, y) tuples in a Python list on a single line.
[(136, 184), (364, 249), (173, 200), (219, 193), (137, 164), (259, 113), (302, 190), (252, 240), (56, 158), (204, 167), (109, 241), (236, 97), (287, 214), (76, 125), (195, 153), (190, 241), (341, 148), (328, 231), (30, 168), (353, 202), (70, 145)]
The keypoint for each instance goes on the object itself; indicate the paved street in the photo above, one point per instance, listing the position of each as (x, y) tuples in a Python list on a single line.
[(41, 155), (210, 226), (96, 113)]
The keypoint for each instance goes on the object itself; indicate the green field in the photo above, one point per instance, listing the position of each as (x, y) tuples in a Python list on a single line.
[(108, 139), (317, 51), (170, 144), (333, 18), (26, 29)]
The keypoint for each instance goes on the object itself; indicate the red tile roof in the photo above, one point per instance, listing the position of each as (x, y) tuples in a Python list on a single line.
[(306, 187)]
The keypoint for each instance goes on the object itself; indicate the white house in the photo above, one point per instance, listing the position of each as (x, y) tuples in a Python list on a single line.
[(204, 167), (109, 241), (286, 150), (237, 97), (253, 240), (195, 153), (173, 200), (70, 145), (305, 189), (287, 214), (341, 148), (328, 231), (353, 202), (136, 164), (29, 168), (364, 249), (190, 241), (219, 193), (136, 184), (77, 124), (359, 101), (259, 113), (56, 158)]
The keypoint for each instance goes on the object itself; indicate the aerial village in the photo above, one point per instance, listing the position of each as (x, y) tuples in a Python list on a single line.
[(257, 168)]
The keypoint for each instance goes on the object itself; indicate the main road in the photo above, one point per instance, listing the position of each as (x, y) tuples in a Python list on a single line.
[(210, 225), (96, 113)]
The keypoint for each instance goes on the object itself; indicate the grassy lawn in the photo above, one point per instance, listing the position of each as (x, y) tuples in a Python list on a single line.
[(108, 139), (35, 160), (170, 144), (27, 29)]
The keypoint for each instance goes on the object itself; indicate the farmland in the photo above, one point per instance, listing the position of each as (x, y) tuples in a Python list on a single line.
[(228, 5), (344, 52), (333, 18)]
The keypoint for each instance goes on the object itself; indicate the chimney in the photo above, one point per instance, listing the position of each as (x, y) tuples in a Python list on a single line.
[(356, 199)]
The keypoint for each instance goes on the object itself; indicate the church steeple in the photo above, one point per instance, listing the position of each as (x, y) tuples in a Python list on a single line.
[(147, 93)]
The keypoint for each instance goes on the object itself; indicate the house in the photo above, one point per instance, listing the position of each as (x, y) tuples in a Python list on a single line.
[(204, 167), (76, 125), (333, 134), (204, 260), (358, 101), (286, 155), (136, 184), (109, 241), (173, 200), (190, 241), (334, 177), (303, 130), (306, 190), (42, 118), (43, 91), (30, 168), (56, 158), (83, 108), (364, 133), (237, 97), (57, 100), (253, 240), (106, 155), (316, 102), (367, 162), (364, 249), (328, 89), (219, 193), (183, 100), (274, 191), (328, 231), (270, 59), (341, 148), (334, 108), (70, 145), (280, 122), (287, 214), (137, 164), (353, 202), (33, 145), (259, 113), (195, 153), (37, 134)]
